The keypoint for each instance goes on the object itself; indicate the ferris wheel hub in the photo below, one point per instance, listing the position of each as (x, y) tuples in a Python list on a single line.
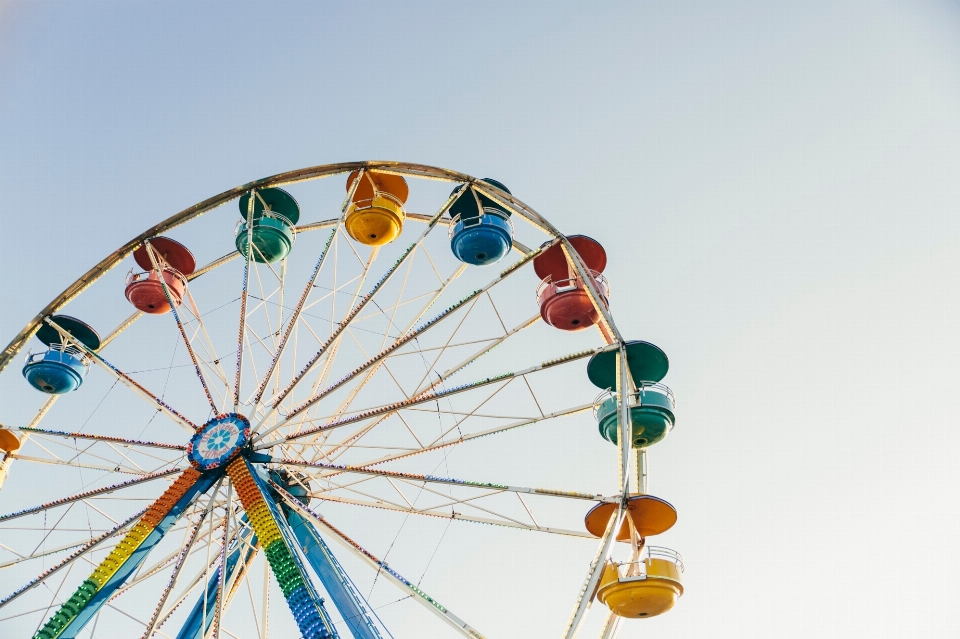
[(218, 441)]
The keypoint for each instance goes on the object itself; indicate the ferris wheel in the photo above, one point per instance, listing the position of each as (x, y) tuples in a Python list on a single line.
[(246, 407)]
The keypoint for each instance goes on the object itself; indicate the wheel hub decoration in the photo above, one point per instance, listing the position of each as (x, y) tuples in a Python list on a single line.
[(218, 441)]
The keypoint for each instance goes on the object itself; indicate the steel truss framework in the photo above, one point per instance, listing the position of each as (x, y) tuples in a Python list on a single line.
[(344, 369)]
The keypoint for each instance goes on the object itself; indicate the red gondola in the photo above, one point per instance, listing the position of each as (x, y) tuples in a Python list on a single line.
[(564, 302), (175, 262)]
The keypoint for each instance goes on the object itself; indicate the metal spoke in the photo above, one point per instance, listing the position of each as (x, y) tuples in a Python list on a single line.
[(443, 377), (423, 488), (377, 359), (433, 395), (73, 464), (126, 380), (402, 341), (251, 201), (306, 293), (332, 345), (480, 353), (209, 546), (393, 576), (187, 547), (462, 439), (91, 545), (435, 295), (611, 627), (499, 488), (452, 514), (346, 403), (76, 453), (100, 438), (589, 588), (209, 348), (176, 316), (36, 555), (359, 306), (88, 494), (218, 616), (201, 574)]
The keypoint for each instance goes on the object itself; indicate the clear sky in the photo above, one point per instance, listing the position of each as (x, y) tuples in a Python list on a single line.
[(776, 184)]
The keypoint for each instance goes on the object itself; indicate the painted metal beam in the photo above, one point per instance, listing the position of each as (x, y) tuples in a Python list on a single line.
[(418, 595), (125, 558), (592, 582), (239, 556), (279, 546), (334, 579)]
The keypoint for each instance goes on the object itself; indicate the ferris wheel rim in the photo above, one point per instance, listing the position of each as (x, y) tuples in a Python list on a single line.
[(290, 177), (316, 172)]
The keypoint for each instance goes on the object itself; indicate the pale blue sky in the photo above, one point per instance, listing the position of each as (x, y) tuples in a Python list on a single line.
[(775, 184)]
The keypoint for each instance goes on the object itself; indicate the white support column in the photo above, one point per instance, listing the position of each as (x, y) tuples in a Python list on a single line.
[(625, 437), (611, 627), (589, 589)]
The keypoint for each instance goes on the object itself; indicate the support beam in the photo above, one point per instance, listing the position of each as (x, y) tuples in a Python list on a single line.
[(393, 576), (592, 582), (240, 554), (125, 558), (335, 580), (279, 546)]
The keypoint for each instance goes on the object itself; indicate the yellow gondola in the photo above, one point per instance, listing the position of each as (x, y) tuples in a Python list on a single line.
[(375, 215), (644, 588)]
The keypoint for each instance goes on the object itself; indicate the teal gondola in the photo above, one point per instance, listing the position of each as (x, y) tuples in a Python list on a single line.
[(275, 214), (651, 404)]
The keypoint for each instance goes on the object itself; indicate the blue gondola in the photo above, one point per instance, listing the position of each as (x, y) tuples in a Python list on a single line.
[(480, 229), (62, 367)]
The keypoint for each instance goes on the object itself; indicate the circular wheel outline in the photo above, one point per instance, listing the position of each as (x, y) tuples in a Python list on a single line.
[(516, 206)]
